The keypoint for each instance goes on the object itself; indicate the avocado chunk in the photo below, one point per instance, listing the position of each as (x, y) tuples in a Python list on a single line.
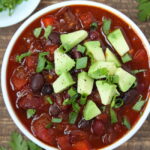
[(106, 91), (101, 69), (117, 39), (63, 63), (94, 51), (110, 57), (85, 84), (70, 40), (126, 80), (63, 82), (90, 110)]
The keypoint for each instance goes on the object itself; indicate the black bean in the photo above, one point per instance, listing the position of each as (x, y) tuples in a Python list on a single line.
[(47, 89), (37, 82), (54, 110), (94, 35), (75, 54), (83, 124), (54, 37)]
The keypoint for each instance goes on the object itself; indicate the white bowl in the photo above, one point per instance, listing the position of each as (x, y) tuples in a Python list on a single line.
[(21, 29)]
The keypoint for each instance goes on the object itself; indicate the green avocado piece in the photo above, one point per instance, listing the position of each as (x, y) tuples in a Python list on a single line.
[(126, 80), (106, 91), (90, 110), (63, 63), (110, 57), (63, 82), (100, 69), (85, 83), (118, 41), (94, 51), (70, 40)]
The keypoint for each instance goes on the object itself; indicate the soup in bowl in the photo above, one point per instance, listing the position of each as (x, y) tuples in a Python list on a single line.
[(76, 76)]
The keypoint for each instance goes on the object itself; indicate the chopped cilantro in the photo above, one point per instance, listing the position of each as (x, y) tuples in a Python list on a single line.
[(48, 31), (73, 117), (20, 57), (106, 25), (37, 32), (56, 120), (126, 122), (30, 113)]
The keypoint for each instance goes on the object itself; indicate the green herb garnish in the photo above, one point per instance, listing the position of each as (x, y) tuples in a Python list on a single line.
[(83, 99), (73, 117), (76, 107), (49, 100), (106, 25), (33, 146), (113, 116), (49, 125), (81, 62), (20, 57), (126, 122), (117, 103), (139, 104), (81, 48), (37, 32), (138, 71), (30, 113), (72, 92), (94, 26), (126, 58), (47, 31), (56, 120), (66, 102), (112, 78)]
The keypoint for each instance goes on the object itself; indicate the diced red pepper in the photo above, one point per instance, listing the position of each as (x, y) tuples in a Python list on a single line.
[(64, 143), (19, 78), (48, 21), (82, 145)]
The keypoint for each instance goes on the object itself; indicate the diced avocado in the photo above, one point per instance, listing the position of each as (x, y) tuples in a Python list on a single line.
[(117, 39), (106, 91), (70, 40), (85, 84), (63, 63), (90, 110), (63, 82), (100, 69), (94, 51), (110, 57), (126, 80)]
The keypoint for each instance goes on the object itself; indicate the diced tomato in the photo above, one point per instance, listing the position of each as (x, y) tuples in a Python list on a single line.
[(87, 19), (82, 145), (19, 78), (48, 21), (39, 129), (64, 143)]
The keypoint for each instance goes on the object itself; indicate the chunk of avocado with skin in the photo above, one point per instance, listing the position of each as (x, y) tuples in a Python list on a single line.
[(85, 84), (118, 41), (106, 91), (90, 110), (63, 63), (110, 57), (70, 40), (99, 69), (94, 51), (64, 81), (126, 80)]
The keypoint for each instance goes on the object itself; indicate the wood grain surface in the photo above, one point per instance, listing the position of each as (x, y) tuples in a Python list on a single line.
[(141, 140)]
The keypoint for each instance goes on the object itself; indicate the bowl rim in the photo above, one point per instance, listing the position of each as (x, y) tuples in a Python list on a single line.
[(41, 12)]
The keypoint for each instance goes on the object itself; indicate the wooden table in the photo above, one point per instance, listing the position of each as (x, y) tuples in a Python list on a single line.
[(141, 141)]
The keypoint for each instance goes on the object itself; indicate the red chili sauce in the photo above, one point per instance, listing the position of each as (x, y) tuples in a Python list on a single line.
[(83, 135)]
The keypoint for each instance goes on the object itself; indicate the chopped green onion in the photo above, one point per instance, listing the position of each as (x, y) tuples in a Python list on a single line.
[(135, 84), (81, 48), (37, 32), (126, 123), (48, 31), (48, 65), (94, 26), (73, 117), (138, 71), (81, 62), (66, 102), (139, 104), (117, 103), (41, 61), (83, 99), (76, 107), (56, 120), (49, 125), (126, 58), (113, 116), (30, 113), (106, 25), (103, 108), (112, 78), (72, 92), (49, 100), (70, 100), (20, 57)]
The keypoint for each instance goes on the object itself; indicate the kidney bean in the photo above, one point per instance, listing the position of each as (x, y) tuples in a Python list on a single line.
[(83, 124), (54, 37), (37, 82), (54, 110), (47, 89), (98, 127)]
